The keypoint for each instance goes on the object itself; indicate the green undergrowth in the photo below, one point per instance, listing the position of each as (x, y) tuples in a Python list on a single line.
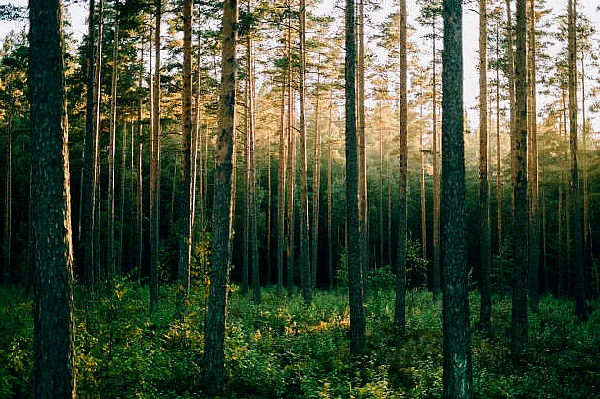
[(284, 349)]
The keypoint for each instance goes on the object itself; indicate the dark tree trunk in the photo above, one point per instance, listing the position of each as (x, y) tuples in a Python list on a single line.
[(281, 193), (53, 310), (484, 186), (357, 316), (457, 342), (400, 308), (214, 345), (519, 168)]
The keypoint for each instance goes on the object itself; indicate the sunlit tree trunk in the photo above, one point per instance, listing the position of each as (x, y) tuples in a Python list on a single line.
[(281, 198), (357, 317), (214, 345), (316, 189), (422, 176), (436, 180), (458, 381), (139, 219), (499, 172), (363, 206), (291, 164), (53, 343), (329, 217)]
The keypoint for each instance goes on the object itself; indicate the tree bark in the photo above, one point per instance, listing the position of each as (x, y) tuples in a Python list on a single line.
[(519, 172), (316, 188), (357, 317), (54, 360), (576, 228), (281, 198), (214, 352), (155, 164), (8, 201), (484, 185), (187, 184), (304, 223), (400, 308), (436, 182), (458, 381), (534, 215)]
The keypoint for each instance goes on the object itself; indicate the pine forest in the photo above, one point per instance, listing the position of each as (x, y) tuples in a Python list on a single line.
[(300, 199)]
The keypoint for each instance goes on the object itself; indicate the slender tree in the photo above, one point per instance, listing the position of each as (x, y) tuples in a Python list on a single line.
[(457, 343), (484, 185), (357, 317), (155, 162), (400, 309), (214, 345), (54, 368), (187, 184), (576, 228), (281, 198), (532, 169), (304, 214)]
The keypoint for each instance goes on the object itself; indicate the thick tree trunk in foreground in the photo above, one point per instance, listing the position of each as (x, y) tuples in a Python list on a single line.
[(214, 345), (458, 381), (519, 171), (53, 310), (357, 316)]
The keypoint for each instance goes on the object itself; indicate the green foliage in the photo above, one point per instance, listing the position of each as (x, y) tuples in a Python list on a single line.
[(284, 349)]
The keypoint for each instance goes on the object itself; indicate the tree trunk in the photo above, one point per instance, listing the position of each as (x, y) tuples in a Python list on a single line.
[(281, 199), (400, 308), (111, 260), (357, 316), (316, 189), (54, 369), (8, 201), (458, 381), (519, 170), (422, 177), (381, 208), (534, 213), (304, 223), (329, 203), (214, 352), (139, 203), (123, 168), (363, 204), (291, 174), (484, 185), (576, 230), (187, 186), (436, 183), (499, 173), (155, 164)]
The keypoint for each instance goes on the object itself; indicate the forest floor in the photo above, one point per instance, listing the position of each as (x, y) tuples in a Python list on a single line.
[(283, 349)]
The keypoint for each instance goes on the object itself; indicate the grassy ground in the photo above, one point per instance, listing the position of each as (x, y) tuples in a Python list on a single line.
[(283, 349)]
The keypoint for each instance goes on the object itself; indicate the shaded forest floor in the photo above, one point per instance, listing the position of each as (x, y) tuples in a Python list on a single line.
[(283, 349)]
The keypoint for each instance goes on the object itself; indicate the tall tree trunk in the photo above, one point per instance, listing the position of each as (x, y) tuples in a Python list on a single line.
[(8, 201), (281, 198), (484, 185), (187, 185), (316, 188), (155, 164), (584, 163), (458, 381), (357, 316), (139, 203), (363, 204), (576, 230), (111, 260), (97, 230), (400, 308), (436, 181), (534, 214), (291, 174), (246, 188), (54, 360), (252, 172), (499, 172), (422, 177), (329, 203), (123, 173), (214, 352), (389, 207), (91, 151), (519, 171), (304, 223), (269, 211), (381, 208)]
